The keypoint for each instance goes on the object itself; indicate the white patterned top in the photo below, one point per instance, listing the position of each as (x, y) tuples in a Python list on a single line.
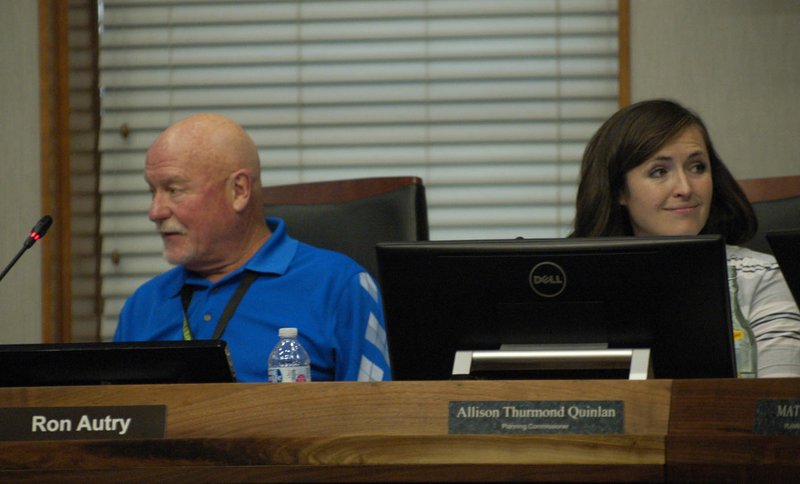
[(767, 302)]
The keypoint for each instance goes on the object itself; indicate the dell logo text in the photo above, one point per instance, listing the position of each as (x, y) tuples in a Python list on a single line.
[(556, 279), (547, 279)]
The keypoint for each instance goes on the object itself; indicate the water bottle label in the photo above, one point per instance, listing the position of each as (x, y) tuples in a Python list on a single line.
[(290, 374), (745, 366)]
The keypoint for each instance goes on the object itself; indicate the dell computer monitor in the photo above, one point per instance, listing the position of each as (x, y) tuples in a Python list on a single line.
[(785, 245), (668, 294)]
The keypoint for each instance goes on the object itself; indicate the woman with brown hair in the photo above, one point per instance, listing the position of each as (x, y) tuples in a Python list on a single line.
[(652, 170)]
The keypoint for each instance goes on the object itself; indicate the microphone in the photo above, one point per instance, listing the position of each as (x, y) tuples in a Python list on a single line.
[(36, 233)]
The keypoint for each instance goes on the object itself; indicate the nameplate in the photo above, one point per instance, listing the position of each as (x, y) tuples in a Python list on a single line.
[(537, 417), (777, 417), (83, 423)]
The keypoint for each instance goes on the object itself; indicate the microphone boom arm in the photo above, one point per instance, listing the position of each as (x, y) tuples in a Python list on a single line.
[(37, 232)]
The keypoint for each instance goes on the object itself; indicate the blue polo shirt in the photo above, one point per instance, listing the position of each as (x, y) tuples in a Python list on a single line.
[(331, 300)]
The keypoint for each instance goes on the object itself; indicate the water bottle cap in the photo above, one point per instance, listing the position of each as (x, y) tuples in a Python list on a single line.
[(287, 333)]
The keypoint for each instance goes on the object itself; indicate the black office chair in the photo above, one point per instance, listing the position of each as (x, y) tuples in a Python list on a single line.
[(776, 201), (351, 216)]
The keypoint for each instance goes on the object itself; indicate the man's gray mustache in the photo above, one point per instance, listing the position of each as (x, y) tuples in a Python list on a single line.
[(170, 229)]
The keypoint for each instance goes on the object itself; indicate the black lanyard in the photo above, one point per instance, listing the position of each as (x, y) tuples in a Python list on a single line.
[(186, 297)]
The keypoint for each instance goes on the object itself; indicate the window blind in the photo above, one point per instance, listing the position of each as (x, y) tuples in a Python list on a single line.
[(490, 102)]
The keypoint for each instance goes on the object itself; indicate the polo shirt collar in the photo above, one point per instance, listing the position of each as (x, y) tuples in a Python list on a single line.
[(277, 252), (273, 257)]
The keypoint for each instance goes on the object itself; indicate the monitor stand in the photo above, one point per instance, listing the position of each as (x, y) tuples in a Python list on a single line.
[(562, 359)]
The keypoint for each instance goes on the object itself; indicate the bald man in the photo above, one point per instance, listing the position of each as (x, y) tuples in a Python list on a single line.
[(204, 175)]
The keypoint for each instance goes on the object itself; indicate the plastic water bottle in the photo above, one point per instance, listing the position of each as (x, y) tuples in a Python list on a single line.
[(744, 342), (288, 361)]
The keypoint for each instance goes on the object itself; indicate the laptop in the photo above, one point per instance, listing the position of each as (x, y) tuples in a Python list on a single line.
[(147, 362), (785, 246)]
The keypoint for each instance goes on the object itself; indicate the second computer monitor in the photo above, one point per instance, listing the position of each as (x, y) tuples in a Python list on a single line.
[(669, 294)]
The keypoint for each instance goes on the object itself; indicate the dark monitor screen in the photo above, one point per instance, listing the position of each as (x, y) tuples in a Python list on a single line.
[(199, 361), (669, 294), (785, 246)]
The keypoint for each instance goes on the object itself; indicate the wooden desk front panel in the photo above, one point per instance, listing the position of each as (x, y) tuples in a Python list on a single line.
[(344, 408), (399, 430), (711, 432)]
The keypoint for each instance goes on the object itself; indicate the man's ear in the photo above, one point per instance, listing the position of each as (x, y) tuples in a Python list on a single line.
[(241, 186)]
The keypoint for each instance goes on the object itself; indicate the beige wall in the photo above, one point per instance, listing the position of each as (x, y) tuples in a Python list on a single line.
[(20, 199), (735, 62)]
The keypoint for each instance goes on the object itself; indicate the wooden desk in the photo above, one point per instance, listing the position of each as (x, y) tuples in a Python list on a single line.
[(399, 431), (712, 437)]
